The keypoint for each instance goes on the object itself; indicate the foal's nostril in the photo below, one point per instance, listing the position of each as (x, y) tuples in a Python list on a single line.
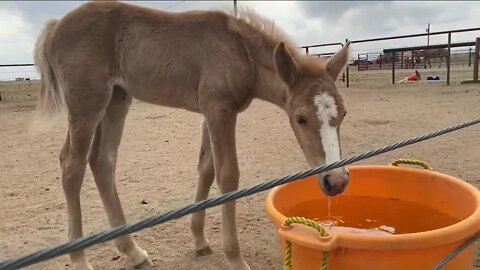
[(347, 179), (326, 182)]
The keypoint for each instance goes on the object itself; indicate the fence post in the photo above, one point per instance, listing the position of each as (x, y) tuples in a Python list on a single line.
[(366, 60), (358, 62), (469, 57), (343, 72), (348, 73), (475, 59), (401, 61), (393, 67), (448, 57), (306, 50), (380, 61)]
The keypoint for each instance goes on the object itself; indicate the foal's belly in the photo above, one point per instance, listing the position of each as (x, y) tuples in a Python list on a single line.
[(166, 95)]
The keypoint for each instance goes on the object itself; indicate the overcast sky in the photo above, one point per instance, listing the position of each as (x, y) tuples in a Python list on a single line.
[(306, 22)]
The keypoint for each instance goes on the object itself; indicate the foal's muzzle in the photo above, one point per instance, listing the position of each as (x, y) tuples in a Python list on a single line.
[(334, 182)]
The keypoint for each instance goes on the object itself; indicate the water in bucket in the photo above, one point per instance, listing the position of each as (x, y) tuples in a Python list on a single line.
[(361, 215)]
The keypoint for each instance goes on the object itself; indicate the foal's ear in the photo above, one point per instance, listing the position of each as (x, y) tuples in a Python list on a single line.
[(285, 64), (338, 61)]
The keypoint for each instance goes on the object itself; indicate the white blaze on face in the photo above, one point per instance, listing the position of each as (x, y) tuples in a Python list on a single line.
[(326, 110)]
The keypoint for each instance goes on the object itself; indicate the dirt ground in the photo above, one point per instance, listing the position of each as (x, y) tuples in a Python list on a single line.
[(158, 156)]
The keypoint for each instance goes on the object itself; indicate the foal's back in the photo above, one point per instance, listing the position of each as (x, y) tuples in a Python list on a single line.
[(171, 59)]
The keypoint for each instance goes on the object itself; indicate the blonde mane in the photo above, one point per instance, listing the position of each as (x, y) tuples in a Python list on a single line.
[(264, 25), (268, 29)]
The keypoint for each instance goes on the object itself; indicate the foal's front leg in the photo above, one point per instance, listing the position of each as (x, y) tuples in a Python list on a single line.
[(221, 125), (206, 174)]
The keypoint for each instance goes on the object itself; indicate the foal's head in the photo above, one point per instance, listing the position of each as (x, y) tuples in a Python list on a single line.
[(315, 109)]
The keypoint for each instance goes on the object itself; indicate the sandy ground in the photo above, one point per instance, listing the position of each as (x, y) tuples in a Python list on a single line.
[(158, 156)]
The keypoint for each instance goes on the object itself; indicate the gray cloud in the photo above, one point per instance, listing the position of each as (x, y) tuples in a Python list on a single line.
[(37, 12), (368, 19), (334, 9), (362, 19), (178, 6)]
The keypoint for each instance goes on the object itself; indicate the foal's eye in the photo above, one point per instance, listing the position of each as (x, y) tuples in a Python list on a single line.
[(301, 120)]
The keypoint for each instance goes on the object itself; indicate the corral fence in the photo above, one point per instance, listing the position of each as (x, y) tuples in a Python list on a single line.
[(19, 76), (390, 58), (407, 60), (448, 55)]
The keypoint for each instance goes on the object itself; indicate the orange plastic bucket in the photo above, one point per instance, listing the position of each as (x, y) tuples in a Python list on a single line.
[(373, 191)]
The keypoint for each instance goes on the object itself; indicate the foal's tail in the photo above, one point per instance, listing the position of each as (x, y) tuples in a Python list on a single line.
[(51, 100)]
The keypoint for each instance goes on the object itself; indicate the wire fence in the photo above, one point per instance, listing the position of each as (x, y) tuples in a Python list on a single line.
[(111, 234), (404, 60), (18, 72)]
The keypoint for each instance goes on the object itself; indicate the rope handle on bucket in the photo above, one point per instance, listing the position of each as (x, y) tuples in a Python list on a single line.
[(288, 249), (411, 162)]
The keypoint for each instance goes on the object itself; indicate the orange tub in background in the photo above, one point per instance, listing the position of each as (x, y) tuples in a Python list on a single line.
[(432, 214)]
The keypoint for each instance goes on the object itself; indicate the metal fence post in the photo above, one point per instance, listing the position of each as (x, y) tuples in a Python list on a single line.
[(393, 67), (448, 57), (348, 73), (358, 62), (469, 57), (475, 60), (401, 61)]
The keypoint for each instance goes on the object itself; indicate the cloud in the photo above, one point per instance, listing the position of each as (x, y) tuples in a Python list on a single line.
[(334, 10), (369, 19), (15, 39), (38, 12), (179, 6)]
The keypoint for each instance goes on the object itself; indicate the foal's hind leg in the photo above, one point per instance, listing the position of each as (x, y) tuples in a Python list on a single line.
[(86, 108), (102, 160), (206, 174)]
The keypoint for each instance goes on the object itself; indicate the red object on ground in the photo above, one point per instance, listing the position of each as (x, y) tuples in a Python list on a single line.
[(415, 76)]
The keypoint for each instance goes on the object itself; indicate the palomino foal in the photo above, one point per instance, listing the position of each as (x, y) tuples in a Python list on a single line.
[(99, 57)]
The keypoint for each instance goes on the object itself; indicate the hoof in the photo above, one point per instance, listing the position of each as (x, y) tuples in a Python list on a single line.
[(145, 265), (204, 251)]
